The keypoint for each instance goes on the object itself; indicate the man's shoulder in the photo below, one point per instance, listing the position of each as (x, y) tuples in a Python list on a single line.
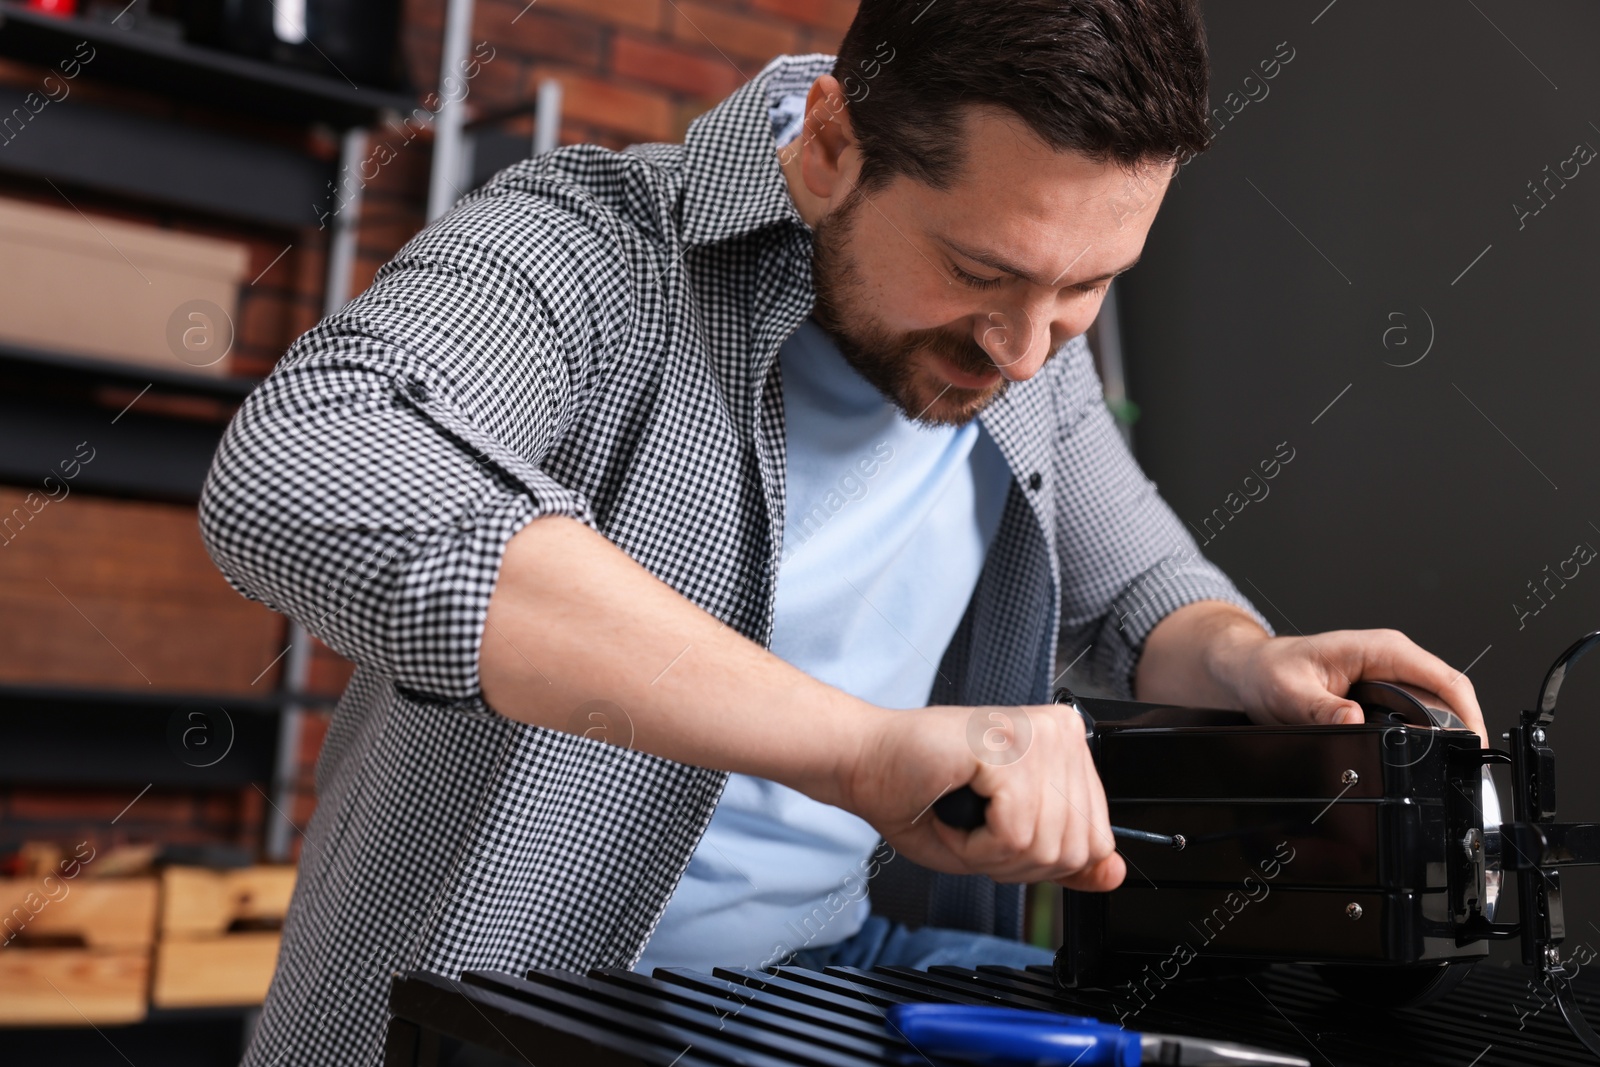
[(633, 184), (581, 220)]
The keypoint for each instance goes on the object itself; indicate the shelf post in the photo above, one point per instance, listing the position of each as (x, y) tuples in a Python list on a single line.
[(346, 223), (547, 119), (450, 121), (286, 763)]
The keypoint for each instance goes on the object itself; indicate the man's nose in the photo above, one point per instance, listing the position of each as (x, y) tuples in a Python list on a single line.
[(1018, 342)]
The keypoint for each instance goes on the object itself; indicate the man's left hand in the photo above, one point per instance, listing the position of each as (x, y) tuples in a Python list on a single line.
[(1305, 679), (1214, 654)]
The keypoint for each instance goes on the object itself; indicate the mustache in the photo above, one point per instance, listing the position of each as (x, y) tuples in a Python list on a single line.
[(959, 349)]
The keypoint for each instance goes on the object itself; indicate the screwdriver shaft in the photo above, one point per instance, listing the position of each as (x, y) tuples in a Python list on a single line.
[(1174, 841)]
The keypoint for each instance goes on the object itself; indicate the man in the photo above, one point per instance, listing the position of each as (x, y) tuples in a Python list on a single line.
[(643, 474)]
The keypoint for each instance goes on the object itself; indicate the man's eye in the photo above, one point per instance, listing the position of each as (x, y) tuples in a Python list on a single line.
[(1092, 290), (973, 280)]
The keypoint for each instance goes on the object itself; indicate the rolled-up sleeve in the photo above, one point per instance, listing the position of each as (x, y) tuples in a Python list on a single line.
[(368, 487), (1127, 561)]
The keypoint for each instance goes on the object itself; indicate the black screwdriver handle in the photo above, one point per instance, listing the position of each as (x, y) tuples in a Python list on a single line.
[(964, 810), (961, 808)]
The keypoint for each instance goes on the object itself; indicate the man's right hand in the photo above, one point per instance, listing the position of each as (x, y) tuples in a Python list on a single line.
[(1046, 818)]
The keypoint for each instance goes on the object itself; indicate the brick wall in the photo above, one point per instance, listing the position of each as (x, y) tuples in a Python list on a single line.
[(631, 70)]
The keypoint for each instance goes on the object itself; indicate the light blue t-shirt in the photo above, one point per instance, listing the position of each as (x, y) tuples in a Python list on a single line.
[(886, 528)]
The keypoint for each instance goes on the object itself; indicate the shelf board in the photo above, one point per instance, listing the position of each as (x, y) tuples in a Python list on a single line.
[(113, 372), (93, 737), (187, 1037), (163, 425), (96, 743), (266, 703), (190, 72)]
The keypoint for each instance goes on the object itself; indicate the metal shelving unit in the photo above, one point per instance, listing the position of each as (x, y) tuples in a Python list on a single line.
[(186, 163), (191, 72), (189, 161), (189, 157), (181, 162)]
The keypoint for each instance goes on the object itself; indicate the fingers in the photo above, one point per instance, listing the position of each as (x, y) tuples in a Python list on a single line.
[(1403, 660), (1102, 845), (1047, 816), (1103, 877), (1297, 680), (1305, 679), (1326, 709)]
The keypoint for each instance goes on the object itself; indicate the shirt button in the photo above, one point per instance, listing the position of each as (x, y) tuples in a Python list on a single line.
[(1035, 480), (416, 390)]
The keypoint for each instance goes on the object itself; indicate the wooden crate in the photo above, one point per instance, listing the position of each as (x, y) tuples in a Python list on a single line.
[(215, 971), (75, 951), (199, 962)]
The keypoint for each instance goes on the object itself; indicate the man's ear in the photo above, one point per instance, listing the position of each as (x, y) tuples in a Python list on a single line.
[(827, 164)]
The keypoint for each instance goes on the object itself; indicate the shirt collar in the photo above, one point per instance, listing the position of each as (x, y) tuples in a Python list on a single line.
[(733, 183)]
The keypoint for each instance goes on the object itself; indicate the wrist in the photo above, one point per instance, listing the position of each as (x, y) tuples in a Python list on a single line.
[(1200, 655), (849, 734), (1229, 652)]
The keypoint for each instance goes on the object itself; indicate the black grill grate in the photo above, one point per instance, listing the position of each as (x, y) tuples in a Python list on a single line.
[(834, 1018)]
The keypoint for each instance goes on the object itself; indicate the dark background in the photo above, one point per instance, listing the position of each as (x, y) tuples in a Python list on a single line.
[(1395, 142)]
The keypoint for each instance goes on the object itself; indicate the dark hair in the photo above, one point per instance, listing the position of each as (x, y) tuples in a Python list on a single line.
[(1115, 80)]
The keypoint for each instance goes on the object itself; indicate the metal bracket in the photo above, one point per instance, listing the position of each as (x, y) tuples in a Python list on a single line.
[(1535, 843)]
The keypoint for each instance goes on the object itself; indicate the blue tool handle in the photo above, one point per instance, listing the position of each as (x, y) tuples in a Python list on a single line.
[(1013, 1036), (983, 1013)]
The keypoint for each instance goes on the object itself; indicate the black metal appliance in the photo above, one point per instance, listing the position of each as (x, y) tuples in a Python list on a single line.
[(1375, 851)]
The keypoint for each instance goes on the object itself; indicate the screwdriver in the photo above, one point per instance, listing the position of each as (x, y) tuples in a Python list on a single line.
[(963, 808), (1021, 1037)]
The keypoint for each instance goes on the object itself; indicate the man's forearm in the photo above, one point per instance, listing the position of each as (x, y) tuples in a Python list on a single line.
[(574, 619), (1187, 655)]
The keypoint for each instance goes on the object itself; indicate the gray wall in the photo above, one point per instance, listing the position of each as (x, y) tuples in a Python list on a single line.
[(1338, 212)]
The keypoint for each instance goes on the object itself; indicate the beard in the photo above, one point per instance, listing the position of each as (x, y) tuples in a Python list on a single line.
[(885, 358)]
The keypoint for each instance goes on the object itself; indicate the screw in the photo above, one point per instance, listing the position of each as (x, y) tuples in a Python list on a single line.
[(1552, 955), (1349, 778), (1538, 737), (1352, 911)]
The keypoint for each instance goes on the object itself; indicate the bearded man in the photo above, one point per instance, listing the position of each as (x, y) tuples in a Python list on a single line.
[(697, 515)]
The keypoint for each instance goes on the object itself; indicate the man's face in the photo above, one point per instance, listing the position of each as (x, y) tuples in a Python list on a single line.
[(942, 298)]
